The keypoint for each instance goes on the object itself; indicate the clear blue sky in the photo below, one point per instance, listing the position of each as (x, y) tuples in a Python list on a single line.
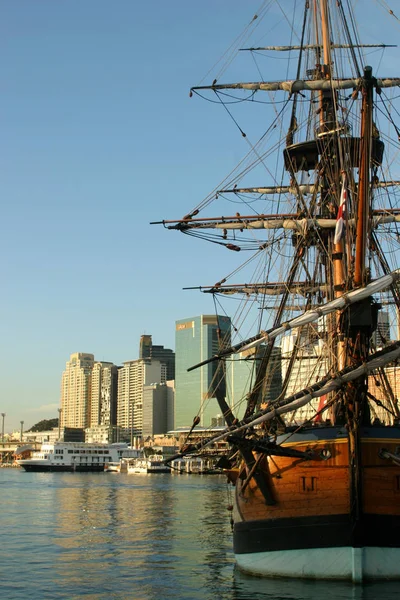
[(99, 138)]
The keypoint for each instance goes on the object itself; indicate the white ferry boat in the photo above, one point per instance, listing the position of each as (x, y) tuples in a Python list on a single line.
[(73, 456), (150, 464)]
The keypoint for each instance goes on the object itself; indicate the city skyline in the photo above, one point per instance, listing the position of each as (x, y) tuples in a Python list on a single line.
[(99, 139), (97, 131)]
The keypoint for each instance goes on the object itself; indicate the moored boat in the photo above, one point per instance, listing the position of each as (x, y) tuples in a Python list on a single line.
[(147, 464), (73, 456), (195, 465), (113, 467), (316, 464)]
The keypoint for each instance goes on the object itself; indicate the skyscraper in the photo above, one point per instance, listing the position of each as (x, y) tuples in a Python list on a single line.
[(88, 392), (199, 338), (103, 396), (148, 350), (76, 389), (132, 377)]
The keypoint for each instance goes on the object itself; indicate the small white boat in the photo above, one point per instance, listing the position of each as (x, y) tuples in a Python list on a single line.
[(150, 464), (112, 467)]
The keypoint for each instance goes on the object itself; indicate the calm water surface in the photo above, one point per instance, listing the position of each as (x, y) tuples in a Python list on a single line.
[(142, 537)]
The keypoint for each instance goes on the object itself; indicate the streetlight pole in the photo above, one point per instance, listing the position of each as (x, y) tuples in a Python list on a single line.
[(22, 429), (2, 427), (132, 425), (59, 423)]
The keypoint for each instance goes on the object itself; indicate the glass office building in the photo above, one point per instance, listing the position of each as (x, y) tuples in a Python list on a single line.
[(199, 338), (241, 372)]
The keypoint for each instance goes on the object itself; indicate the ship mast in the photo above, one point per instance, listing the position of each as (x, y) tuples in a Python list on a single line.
[(329, 265), (364, 184), (355, 324)]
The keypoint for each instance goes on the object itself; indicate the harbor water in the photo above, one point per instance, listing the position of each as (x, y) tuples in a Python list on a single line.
[(141, 537)]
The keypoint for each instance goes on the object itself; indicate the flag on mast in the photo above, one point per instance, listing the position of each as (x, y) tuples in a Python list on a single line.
[(341, 215)]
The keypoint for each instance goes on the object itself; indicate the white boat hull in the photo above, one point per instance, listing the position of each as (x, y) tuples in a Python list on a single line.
[(147, 465), (346, 563)]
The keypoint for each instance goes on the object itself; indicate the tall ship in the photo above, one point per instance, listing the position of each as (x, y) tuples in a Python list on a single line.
[(311, 214)]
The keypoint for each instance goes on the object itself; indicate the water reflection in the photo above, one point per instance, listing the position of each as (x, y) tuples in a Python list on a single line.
[(245, 587), (116, 536)]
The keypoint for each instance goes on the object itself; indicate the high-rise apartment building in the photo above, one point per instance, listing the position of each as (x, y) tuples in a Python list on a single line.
[(103, 396), (132, 377), (76, 390), (88, 392), (199, 338), (148, 350)]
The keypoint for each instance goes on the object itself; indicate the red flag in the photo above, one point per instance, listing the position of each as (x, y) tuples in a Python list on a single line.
[(322, 401), (341, 216)]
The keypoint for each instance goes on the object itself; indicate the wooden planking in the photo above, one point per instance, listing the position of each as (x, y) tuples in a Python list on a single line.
[(381, 478), (302, 488), (314, 487)]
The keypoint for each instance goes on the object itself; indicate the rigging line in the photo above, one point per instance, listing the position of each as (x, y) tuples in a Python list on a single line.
[(249, 98), (350, 12), (324, 386), (380, 404), (348, 36), (329, 404), (390, 119), (257, 67), (237, 42), (293, 124), (252, 258), (378, 67), (260, 158), (255, 392), (287, 19), (390, 101), (237, 100), (231, 116), (387, 7), (313, 376), (291, 37), (210, 197)]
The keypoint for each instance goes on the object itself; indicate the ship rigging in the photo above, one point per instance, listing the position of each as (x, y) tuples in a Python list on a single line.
[(317, 470)]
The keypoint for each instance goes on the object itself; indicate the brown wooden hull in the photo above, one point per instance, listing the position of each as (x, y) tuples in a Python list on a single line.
[(313, 497)]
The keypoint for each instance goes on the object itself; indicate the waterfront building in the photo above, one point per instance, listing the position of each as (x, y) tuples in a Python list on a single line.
[(199, 338), (63, 434), (132, 377), (99, 434), (148, 350), (158, 401), (75, 390)]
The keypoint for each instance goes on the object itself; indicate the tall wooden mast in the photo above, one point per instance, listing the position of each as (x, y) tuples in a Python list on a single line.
[(363, 205)]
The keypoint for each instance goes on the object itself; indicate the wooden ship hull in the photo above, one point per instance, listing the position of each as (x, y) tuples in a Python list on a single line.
[(309, 529)]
